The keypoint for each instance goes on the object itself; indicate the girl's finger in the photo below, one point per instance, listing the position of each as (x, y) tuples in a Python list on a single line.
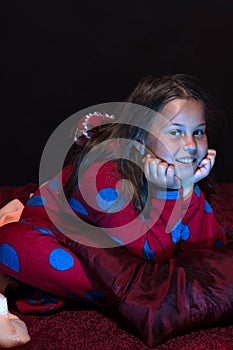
[(172, 179), (146, 168), (153, 167), (148, 156), (202, 171), (162, 170), (211, 155)]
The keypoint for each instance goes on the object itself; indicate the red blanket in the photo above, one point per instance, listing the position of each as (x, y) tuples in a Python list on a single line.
[(194, 290)]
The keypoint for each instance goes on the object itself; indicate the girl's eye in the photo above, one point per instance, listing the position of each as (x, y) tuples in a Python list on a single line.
[(176, 132), (199, 132), (180, 133)]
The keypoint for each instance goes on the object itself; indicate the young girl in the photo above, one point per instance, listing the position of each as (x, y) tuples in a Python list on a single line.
[(140, 188)]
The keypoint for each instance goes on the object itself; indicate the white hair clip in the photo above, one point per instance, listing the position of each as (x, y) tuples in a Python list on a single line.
[(90, 121)]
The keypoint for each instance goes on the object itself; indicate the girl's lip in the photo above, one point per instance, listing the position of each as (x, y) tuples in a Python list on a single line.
[(186, 161)]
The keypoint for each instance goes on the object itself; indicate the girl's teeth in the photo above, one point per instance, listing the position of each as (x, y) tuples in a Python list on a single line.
[(186, 161)]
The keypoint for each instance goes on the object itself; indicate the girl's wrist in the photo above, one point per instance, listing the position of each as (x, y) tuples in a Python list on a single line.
[(163, 188)]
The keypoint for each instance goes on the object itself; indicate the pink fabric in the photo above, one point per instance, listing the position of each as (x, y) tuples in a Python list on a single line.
[(11, 212)]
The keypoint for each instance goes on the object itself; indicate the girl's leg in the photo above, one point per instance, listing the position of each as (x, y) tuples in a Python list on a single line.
[(34, 256)]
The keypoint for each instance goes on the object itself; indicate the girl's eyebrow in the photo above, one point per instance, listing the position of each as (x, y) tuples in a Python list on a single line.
[(182, 125)]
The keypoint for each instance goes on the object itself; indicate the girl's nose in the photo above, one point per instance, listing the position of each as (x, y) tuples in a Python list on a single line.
[(190, 145)]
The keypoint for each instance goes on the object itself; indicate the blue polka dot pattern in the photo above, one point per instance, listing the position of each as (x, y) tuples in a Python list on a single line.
[(96, 296), (54, 184), (223, 230), (24, 221), (148, 252), (168, 195), (77, 206), (37, 201), (9, 257), (218, 243), (144, 219), (117, 240), (43, 230), (207, 207), (110, 200), (180, 231), (197, 191), (72, 295), (50, 309), (56, 229), (60, 259), (39, 297)]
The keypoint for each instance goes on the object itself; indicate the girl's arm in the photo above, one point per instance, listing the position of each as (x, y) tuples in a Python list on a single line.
[(155, 236), (100, 193)]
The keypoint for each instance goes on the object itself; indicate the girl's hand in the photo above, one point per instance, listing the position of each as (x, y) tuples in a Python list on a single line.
[(204, 167), (160, 173), (202, 171)]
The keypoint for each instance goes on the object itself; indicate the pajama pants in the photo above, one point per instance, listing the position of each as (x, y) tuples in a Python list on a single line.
[(36, 256)]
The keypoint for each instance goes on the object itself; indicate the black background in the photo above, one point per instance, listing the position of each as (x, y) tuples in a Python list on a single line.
[(58, 57)]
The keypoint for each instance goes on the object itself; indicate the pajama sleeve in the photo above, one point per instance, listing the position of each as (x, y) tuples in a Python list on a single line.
[(100, 200), (203, 230)]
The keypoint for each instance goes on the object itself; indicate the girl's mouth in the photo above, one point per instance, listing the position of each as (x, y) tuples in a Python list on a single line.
[(186, 161)]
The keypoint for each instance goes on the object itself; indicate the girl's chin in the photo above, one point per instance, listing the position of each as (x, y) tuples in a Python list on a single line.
[(184, 174)]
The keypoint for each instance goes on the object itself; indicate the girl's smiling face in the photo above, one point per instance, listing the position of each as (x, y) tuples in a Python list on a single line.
[(180, 136)]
